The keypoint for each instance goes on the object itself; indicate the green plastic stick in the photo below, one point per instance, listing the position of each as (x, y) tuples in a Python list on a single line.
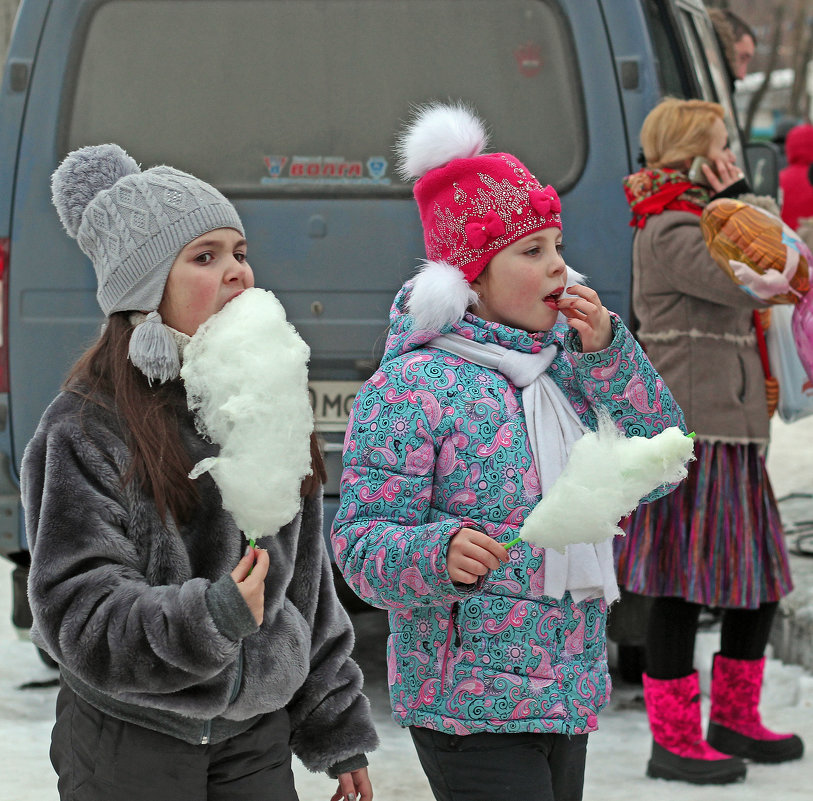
[(251, 544), (691, 435)]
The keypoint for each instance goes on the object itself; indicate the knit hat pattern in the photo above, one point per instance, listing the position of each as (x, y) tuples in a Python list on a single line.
[(133, 224), (473, 208), (472, 205)]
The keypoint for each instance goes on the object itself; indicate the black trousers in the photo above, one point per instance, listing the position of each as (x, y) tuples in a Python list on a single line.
[(499, 767), (672, 629), (101, 758)]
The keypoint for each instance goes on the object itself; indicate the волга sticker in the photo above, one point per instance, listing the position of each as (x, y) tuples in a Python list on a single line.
[(324, 170)]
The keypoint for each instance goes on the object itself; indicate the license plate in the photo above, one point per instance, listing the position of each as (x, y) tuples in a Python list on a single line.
[(331, 402)]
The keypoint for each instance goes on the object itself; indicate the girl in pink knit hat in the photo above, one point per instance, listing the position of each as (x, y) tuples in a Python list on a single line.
[(497, 362)]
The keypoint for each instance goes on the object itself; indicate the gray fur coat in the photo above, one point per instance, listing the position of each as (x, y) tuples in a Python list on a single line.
[(147, 624)]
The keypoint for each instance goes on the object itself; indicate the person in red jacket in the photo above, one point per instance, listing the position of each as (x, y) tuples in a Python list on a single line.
[(797, 191)]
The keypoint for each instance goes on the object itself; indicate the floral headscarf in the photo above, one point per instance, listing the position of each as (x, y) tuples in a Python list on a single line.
[(651, 191)]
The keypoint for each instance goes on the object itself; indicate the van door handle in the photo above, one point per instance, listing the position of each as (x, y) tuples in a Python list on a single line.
[(629, 70), (317, 226), (19, 71)]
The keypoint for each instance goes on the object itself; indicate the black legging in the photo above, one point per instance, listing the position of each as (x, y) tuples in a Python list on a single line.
[(672, 628)]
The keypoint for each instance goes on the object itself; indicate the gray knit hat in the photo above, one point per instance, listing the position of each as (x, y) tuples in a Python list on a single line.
[(132, 225)]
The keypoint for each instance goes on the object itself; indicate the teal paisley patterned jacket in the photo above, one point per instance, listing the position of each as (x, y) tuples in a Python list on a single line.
[(436, 443)]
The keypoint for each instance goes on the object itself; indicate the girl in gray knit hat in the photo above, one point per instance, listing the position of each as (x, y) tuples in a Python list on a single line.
[(189, 669)]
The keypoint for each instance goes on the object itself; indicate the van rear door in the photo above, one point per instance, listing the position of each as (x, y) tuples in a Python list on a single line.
[(14, 97), (290, 109)]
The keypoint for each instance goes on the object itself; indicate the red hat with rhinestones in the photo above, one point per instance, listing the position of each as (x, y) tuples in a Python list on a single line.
[(472, 205)]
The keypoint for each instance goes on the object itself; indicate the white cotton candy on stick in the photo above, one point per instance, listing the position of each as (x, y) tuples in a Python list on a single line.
[(246, 377), (605, 478)]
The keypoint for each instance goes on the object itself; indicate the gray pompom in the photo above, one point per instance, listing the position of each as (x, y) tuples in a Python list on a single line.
[(82, 175), (154, 351)]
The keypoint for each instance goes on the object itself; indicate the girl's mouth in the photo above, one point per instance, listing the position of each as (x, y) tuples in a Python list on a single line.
[(552, 300)]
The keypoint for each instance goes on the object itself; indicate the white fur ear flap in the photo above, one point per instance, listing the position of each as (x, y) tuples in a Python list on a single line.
[(440, 295), (437, 134)]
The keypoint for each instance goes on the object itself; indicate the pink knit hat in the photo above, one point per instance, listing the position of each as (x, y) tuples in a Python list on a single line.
[(472, 205)]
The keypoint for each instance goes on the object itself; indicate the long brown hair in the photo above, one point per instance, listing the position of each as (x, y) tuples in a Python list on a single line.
[(149, 414)]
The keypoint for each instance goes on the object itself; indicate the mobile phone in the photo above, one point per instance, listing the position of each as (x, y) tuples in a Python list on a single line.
[(696, 174)]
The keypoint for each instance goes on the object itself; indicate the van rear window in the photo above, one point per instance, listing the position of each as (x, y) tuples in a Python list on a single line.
[(304, 96)]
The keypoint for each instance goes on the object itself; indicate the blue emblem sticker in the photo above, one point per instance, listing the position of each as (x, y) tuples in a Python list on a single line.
[(377, 167), (275, 165)]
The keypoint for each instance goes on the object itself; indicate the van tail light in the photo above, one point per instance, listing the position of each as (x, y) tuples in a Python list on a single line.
[(4, 382)]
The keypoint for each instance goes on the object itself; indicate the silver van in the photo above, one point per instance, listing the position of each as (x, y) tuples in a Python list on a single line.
[(289, 108)]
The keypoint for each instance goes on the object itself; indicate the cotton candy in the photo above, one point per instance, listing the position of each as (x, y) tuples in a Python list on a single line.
[(246, 373), (605, 478)]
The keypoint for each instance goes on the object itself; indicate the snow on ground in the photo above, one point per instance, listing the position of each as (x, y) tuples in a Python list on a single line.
[(617, 754)]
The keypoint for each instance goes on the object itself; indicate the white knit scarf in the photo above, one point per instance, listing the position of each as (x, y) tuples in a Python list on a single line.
[(584, 570)]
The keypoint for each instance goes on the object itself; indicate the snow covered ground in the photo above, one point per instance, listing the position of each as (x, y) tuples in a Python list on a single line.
[(617, 754)]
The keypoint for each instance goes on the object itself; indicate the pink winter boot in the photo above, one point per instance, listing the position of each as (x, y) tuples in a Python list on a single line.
[(679, 751), (735, 725)]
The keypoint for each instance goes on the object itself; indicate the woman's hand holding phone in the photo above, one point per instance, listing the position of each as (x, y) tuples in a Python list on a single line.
[(717, 177)]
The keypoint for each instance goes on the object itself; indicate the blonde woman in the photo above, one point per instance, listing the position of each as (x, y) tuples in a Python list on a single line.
[(717, 540)]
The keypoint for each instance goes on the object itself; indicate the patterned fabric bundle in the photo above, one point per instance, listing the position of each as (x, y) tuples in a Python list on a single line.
[(757, 250)]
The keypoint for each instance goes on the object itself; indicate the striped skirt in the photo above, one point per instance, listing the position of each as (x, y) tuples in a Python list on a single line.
[(716, 540)]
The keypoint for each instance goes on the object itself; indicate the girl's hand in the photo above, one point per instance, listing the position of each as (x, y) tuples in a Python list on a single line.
[(588, 317), (471, 555), (354, 786), (250, 579), (724, 174)]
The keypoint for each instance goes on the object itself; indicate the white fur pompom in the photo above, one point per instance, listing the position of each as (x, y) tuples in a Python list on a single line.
[(437, 134), (440, 295)]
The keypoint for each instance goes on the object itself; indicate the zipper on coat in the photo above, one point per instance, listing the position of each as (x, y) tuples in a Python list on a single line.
[(235, 690), (452, 629)]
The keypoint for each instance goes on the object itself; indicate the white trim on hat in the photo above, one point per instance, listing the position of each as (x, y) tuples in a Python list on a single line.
[(440, 295)]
